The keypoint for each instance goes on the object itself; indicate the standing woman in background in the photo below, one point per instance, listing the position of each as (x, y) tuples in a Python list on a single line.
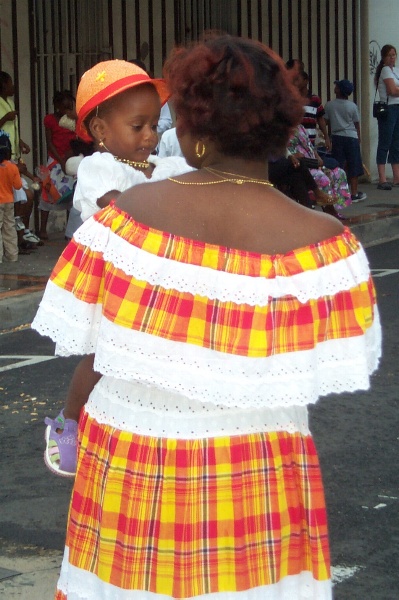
[(9, 117), (387, 81), (60, 132)]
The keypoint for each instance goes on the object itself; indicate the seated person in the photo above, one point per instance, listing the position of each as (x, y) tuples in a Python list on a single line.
[(293, 178)]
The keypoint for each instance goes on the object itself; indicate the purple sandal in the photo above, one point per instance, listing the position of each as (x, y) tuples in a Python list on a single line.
[(61, 448)]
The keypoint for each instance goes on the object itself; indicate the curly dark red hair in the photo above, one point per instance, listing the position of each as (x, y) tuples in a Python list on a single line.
[(235, 91)]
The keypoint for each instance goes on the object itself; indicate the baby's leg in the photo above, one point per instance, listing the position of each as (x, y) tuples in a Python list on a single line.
[(62, 432)]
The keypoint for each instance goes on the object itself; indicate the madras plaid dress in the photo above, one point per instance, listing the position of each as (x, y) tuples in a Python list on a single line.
[(197, 473)]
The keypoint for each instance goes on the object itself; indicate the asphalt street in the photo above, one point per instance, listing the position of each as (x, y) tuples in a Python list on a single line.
[(357, 436)]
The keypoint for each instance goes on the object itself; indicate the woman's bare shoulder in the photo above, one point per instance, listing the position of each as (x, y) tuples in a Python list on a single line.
[(133, 198), (326, 225), (291, 226)]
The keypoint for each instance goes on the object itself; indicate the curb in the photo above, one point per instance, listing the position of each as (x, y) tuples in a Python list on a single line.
[(29, 573), (377, 232), (20, 310)]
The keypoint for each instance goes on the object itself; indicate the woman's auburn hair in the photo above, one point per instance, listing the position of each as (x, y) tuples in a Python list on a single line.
[(235, 91)]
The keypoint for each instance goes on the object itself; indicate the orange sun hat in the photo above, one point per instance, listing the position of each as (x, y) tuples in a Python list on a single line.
[(104, 81)]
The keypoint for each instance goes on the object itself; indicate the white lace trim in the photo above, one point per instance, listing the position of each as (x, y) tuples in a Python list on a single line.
[(145, 410), (71, 323), (79, 584), (295, 378), (214, 284)]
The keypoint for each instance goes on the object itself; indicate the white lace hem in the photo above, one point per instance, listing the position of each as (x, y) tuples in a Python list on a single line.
[(295, 378), (145, 410), (78, 584), (211, 283)]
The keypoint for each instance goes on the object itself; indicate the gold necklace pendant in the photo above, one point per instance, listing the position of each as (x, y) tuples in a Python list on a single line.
[(236, 179), (132, 163), (239, 179)]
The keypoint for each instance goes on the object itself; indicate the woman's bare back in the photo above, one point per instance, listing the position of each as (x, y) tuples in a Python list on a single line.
[(249, 217)]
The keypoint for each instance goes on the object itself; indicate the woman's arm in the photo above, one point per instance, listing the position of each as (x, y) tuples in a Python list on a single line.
[(10, 116), (25, 149), (318, 157), (51, 149), (391, 87), (357, 127), (323, 127)]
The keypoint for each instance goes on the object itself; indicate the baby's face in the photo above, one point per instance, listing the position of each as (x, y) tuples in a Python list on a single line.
[(131, 123)]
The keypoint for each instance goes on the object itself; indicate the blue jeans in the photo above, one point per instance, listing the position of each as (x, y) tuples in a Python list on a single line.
[(388, 137)]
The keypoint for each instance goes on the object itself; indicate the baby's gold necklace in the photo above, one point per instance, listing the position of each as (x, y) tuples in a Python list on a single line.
[(237, 179), (133, 163)]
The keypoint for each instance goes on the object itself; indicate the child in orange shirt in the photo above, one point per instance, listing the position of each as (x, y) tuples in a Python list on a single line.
[(10, 179)]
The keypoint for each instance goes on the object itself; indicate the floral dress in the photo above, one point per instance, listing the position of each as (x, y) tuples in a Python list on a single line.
[(330, 181)]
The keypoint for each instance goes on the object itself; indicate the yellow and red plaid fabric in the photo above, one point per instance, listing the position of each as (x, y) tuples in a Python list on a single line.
[(190, 517), (285, 324)]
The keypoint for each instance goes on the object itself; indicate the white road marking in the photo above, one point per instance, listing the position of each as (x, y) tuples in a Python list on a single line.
[(340, 573), (383, 272), (22, 360)]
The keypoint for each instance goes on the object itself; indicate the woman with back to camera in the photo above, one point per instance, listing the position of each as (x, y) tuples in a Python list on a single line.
[(211, 309), (387, 81)]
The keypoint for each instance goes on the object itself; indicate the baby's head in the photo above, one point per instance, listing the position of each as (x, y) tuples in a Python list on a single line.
[(118, 107), (63, 102)]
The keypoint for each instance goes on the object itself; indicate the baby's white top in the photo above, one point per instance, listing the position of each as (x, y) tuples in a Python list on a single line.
[(100, 173)]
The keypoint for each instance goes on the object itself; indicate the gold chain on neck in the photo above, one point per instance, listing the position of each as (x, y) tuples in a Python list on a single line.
[(133, 163), (236, 179)]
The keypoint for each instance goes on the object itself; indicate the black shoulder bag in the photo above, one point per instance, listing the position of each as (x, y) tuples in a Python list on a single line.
[(380, 108)]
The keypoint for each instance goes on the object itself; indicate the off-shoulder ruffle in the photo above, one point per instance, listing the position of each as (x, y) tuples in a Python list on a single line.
[(330, 272), (286, 379)]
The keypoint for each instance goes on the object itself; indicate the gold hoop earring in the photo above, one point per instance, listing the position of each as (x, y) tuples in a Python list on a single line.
[(199, 153), (102, 145)]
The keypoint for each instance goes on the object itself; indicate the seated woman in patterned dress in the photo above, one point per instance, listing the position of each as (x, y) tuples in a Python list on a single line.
[(331, 181), (211, 310)]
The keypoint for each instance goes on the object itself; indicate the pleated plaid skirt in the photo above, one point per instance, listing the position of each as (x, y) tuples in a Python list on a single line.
[(189, 517)]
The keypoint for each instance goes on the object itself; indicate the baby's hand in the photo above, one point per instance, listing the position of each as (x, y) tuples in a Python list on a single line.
[(106, 199)]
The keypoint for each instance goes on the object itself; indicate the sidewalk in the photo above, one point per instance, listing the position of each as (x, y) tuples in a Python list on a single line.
[(29, 573), (21, 284)]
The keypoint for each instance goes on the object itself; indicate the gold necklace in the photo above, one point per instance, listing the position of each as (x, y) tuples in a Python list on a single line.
[(133, 163), (236, 179), (239, 179)]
